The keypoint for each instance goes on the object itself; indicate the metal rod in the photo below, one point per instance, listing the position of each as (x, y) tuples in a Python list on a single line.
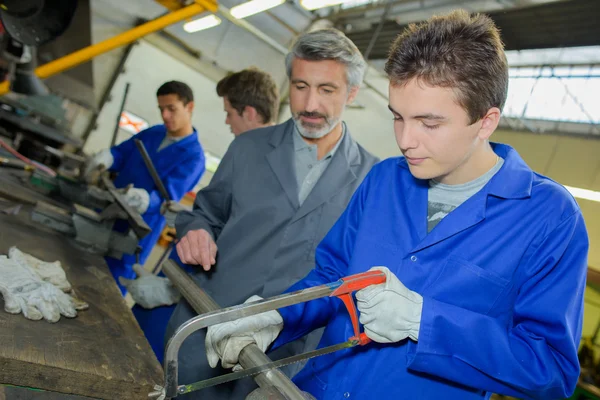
[(157, 268), (377, 31), (81, 56), (153, 172), (250, 357), (113, 141), (242, 23), (106, 95)]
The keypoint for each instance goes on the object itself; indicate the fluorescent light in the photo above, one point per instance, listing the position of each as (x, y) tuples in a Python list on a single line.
[(253, 7), (314, 4), (201, 23), (584, 193)]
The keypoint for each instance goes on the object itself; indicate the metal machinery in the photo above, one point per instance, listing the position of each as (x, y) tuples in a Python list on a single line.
[(90, 216)]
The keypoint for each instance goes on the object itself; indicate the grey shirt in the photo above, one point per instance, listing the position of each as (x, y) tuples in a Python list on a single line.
[(308, 168), (442, 199), (169, 140)]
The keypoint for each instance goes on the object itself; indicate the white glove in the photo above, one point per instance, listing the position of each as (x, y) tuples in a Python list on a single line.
[(51, 272), (24, 291), (170, 209), (100, 161), (138, 199), (226, 340), (150, 291), (389, 311)]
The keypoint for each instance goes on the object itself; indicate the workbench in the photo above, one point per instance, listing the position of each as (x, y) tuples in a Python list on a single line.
[(100, 354)]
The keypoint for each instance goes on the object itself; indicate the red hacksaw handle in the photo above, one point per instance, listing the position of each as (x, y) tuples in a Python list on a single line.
[(344, 292)]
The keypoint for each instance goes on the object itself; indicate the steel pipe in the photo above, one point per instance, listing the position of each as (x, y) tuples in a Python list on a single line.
[(251, 356)]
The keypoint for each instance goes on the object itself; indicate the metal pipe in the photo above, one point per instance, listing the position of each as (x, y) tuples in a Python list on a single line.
[(81, 56), (152, 170), (250, 357), (106, 95), (113, 141), (377, 31)]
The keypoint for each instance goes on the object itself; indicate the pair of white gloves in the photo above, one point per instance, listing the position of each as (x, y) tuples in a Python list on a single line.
[(136, 198), (36, 288), (389, 312)]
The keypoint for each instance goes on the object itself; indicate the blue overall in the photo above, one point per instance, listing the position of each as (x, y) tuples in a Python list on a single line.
[(180, 166), (502, 278)]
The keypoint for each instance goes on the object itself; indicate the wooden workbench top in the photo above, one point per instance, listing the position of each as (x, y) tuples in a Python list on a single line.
[(102, 353)]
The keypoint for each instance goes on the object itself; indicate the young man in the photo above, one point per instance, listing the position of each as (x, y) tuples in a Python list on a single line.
[(276, 193), (250, 100), (177, 155), (485, 260)]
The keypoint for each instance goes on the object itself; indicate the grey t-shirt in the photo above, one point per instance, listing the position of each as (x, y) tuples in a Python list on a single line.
[(442, 199), (308, 168), (169, 140)]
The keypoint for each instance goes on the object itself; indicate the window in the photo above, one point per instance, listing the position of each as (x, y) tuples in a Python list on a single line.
[(563, 93)]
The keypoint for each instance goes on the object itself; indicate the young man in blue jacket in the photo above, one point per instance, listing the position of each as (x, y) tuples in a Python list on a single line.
[(485, 259), (178, 157)]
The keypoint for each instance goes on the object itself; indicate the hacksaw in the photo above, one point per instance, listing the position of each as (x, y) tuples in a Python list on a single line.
[(342, 289)]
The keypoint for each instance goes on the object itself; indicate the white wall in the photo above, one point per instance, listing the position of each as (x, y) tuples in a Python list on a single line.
[(146, 69)]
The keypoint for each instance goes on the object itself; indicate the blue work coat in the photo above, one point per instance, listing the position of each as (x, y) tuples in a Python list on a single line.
[(180, 166), (502, 279)]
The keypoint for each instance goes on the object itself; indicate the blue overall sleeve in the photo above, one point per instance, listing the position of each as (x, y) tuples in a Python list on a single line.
[(537, 356), (212, 206), (332, 257)]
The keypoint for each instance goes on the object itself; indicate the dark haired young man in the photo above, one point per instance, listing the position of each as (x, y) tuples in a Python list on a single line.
[(250, 100), (485, 260), (177, 155)]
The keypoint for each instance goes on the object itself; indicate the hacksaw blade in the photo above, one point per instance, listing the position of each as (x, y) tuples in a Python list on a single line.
[(265, 367)]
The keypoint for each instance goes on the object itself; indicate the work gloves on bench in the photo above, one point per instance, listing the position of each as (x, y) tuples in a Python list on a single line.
[(36, 288)]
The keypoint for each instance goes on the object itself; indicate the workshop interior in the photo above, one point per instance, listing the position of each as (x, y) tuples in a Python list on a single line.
[(78, 77)]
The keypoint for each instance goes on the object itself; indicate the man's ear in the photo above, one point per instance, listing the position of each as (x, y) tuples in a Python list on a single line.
[(250, 113), (352, 94), (489, 123), (190, 106)]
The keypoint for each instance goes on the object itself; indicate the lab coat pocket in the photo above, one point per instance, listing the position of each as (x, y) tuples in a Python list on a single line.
[(468, 286), (317, 380)]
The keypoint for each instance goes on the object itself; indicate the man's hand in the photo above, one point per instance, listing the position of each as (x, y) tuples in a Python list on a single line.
[(227, 340), (97, 164), (149, 290), (138, 199), (389, 311), (24, 291), (197, 248)]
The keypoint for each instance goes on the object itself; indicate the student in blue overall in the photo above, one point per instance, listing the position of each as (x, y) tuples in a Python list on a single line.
[(178, 157), (485, 259), (250, 101)]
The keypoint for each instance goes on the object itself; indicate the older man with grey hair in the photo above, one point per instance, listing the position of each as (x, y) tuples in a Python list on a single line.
[(277, 192)]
